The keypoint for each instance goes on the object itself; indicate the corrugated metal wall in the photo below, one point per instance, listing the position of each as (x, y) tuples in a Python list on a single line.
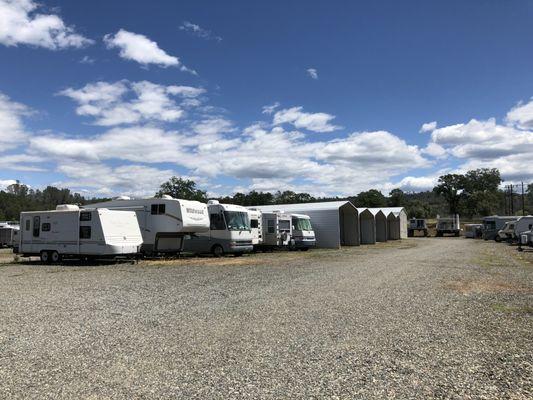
[(367, 226), (381, 227), (326, 225), (403, 225)]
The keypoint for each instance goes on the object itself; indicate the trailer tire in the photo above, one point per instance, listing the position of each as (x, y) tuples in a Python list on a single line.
[(497, 239), (304, 249), (45, 257), (55, 257), (239, 254), (217, 250)]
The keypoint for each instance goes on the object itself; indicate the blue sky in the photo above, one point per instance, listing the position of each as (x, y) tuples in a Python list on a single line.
[(115, 97)]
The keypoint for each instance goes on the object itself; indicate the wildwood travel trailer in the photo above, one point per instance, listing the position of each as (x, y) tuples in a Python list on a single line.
[(164, 222), (71, 232), (229, 231)]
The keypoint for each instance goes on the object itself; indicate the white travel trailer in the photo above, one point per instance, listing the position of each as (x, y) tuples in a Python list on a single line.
[(71, 232), (512, 230), (277, 230), (8, 232), (302, 232), (164, 222), (229, 232), (256, 226)]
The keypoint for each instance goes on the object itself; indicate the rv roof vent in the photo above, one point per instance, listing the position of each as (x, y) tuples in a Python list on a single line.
[(67, 207), (213, 202), (168, 197), (122, 198)]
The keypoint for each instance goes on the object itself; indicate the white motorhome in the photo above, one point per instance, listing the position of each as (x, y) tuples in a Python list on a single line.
[(302, 232), (256, 226), (164, 222), (229, 232), (8, 233), (70, 231), (277, 230)]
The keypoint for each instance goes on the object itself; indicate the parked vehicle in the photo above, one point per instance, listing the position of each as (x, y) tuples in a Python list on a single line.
[(417, 225), (256, 226), (8, 232), (507, 232), (448, 225), (277, 230), (71, 232), (492, 225), (526, 240), (229, 232), (473, 231), (164, 222), (302, 232)]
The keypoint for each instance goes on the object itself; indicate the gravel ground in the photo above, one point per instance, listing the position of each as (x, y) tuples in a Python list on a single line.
[(420, 318)]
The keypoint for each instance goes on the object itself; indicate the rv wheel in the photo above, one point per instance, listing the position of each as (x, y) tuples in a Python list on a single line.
[(217, 250), (45, 257), (55, 257)]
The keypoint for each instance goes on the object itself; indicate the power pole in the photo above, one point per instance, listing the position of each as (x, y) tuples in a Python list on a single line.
[(511, 194), (523, 201)]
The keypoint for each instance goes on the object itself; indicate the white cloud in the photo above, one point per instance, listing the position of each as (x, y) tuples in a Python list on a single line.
[(198, 31), (87, 60), (21, 24), (428, 127), (316, 122), (313, 73), (435, 150), (139, 48), (126, 102), (6, 182), (213, 126), (521, 115), (269, 109), (12, 131), (416, 184)]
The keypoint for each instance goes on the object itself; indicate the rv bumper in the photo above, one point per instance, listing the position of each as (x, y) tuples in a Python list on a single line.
[(304, 243), (240, 247)]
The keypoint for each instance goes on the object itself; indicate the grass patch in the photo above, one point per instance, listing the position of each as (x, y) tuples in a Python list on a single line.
[(513, 309)]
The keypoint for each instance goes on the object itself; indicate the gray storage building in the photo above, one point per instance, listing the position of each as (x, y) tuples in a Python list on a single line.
[(336, 223), (367, 226), (400, 227), (381, 224)]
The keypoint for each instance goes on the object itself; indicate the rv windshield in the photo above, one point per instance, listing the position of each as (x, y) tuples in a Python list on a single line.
[(237, 221), (301, 224)]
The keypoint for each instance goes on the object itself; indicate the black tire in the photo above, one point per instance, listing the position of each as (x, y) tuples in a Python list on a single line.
[(45, 257), (55, 257), (304, 248), (239, 254), (217, 251), (497, 239)]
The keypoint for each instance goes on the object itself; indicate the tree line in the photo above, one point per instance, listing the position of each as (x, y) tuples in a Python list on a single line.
[(473, 194)]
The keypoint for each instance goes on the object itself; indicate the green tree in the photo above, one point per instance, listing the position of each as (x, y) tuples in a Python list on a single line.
[(370, 198), (396, 198), (180, 188), (450, 186)]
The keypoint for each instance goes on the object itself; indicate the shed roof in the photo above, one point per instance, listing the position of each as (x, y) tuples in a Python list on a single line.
[(326, 205)]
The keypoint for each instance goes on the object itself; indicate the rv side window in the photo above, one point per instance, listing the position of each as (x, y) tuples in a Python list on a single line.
[(284, 225), (27, 224), (254, 223), (217, 222), (157, 209), (271, 226), (36, 226), (45, 227), (85, 216), (85, 232)]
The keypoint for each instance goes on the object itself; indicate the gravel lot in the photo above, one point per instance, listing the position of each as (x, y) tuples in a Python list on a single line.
[(420, 318)]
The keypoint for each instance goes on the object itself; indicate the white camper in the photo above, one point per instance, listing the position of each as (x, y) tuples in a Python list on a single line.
[(256, 226), (512, 230), (302, 232), (70, 231), (229, 232), (164, 222), (8, 233), (277, 230)]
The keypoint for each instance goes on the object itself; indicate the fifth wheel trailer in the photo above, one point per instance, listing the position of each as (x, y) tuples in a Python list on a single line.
[(70, 231), (164, 222), (335, 223)]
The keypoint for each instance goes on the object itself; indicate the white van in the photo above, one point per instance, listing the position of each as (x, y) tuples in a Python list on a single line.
[(70, 231), (229, 232), (256, 226), (164, 222), (302, 232)]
